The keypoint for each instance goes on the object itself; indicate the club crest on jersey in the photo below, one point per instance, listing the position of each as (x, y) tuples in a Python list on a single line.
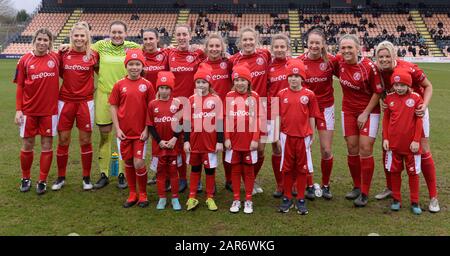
[(163, 79), (304, 99), (295, 70), (134, 55), (247, 158), (142, 88), (173, 58), (51, 64), (210, 104), (285, 100), (249, 102), (391, 104), (124, 89), (342, 70), (223, 65), (156, 110), (173, 108), (323, 66), (69, 57), (272, 69), (189, 58), (236, 75), (31, 66), (396, 79), (86, 58), (410, 103), (260, 61), (159, 57), (139, 152), (357, 76)]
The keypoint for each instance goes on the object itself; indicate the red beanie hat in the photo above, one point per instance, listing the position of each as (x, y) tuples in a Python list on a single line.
[(165, 78), (295, 67), (134, 54), (242, 71), (401, 76), (203, 72)]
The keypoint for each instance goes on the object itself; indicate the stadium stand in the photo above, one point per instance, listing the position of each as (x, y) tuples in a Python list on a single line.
[(372, 25)]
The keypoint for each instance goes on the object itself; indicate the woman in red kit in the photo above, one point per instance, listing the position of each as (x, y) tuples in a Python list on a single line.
[(183, 63), (37, 79), (203, 135), (361, 87), (402, 131), (155, 58), (242, 135), (298, 111), (76, 102), (258, 61), (129, 100), (320, 67), (163, 121), (387, 62), (220, 82), (277, 82)]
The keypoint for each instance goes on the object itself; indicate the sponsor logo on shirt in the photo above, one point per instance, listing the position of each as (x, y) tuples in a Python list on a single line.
[(304, 99), (203, 114), (349, 84), (316, 79), (154, 68), (165, 119), (219, 77), (278, 78), (76, 67), (51, 64), (142, 88), (42, 75), (240, 113), (182, 69), (257, 73), (357, 76), (410, 103)]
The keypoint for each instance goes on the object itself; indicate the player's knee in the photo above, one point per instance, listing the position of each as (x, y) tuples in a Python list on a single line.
[(139, 164), (326, 153), (28, 144)]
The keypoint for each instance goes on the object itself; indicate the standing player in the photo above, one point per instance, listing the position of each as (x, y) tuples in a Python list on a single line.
[(402, 131), (37, 79), (298, 110), (183, 63), (320, 67), (242, 135), (112, 55), (163, 124), (76, 102), (387, 62), (361, 87), (220, 82), (258, 61), (277, 82), (129, 100), (155, 60), (203, 135)]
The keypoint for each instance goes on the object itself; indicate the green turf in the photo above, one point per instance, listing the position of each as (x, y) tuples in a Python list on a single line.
[(100, 212)]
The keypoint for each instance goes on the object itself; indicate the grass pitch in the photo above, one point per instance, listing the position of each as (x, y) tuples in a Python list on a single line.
[(72, 210)]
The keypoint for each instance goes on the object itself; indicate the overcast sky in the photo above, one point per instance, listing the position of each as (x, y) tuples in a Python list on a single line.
[(28, 5)]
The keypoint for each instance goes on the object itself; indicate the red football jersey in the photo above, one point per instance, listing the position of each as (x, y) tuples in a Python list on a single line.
[(416, 73), (221, 77), (39, 78), (401, 126), (319, 78), (203, 114), (165, 116), (78, 75), (258, 63), (132, 98), (184, 64), (277, 76), (242, 119), (155, 62), (359, 82), (296, 107)]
